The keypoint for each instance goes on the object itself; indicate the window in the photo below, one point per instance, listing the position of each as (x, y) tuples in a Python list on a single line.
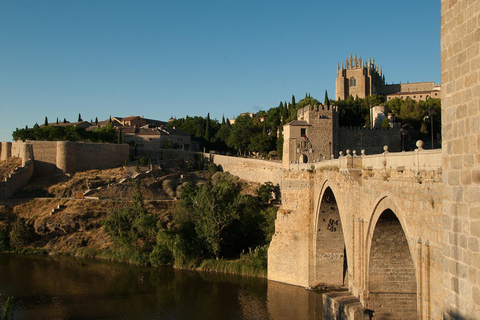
[(353, 82), (303, 132)]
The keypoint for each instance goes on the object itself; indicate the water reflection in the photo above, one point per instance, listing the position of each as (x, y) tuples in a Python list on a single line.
[(68, 288)]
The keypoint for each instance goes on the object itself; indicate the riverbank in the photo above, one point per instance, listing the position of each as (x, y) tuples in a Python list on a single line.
[(61, 225)]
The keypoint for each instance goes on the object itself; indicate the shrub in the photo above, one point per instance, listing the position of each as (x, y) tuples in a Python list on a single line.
[(212, 167), (21, 234), (180, 189), (162, 252), (4, 239), (257, 257), (168, 187)]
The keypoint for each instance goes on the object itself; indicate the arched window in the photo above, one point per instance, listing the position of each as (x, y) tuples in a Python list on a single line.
[(353, 82)]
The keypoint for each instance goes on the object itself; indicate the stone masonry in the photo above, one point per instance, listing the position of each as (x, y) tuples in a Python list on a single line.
[(460, 54)]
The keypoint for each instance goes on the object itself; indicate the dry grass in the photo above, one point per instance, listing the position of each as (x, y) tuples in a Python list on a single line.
[(7, 166)]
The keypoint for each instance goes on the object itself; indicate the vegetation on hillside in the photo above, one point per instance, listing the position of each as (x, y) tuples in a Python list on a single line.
[(212, 220)]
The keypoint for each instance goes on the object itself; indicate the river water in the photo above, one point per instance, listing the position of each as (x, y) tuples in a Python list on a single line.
[(71, 288)]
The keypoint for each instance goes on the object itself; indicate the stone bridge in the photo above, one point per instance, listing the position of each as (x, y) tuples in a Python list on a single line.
[(372, 224)]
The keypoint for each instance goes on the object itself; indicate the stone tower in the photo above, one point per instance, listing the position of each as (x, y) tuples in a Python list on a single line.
[(358, 78), (313, 136)]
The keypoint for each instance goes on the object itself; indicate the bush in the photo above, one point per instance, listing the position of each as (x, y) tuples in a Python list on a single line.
[(162, 251), (168, 187), (180, 189), (212, 167), (257, 257), (4, 239), (21, 234)]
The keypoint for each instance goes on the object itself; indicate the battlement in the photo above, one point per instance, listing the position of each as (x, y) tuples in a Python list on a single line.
[(358, 63), (316, 111)]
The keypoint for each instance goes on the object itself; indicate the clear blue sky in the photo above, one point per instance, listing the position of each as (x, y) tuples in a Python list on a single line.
[(176, 58)]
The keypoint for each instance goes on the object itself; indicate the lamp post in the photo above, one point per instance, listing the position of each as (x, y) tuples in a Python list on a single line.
[(431, 112), (403, 132)]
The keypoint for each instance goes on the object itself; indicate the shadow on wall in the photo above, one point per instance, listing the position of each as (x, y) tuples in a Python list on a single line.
[(454, 315)]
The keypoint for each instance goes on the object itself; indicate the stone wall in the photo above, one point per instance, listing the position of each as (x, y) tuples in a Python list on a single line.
[(254, 170), (53, 157), (371, 140), (20, 176), (460, 56)]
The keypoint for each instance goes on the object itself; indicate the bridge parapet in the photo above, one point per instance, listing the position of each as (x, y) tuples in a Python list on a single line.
[(416, 161)]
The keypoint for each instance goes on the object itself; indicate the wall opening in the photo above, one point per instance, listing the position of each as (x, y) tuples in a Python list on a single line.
[(330, 256), (303, 158), (392, 286)]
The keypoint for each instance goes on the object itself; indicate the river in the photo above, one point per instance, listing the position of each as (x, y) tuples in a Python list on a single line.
[(59, 287)]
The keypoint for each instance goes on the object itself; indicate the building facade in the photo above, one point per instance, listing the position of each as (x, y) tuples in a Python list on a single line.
[(361, 78)]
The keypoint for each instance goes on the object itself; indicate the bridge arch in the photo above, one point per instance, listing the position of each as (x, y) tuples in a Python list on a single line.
[(329, 246), (391, 284)]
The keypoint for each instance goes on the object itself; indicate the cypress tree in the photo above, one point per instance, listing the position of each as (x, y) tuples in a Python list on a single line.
[(57, 120), (79, 118), (327, 101), (96, 120), (64, 120), (46, 121), (207, 128), (119, 137)]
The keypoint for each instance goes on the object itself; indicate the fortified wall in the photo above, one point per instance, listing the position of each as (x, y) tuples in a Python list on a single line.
[(253, 170), (69, 157), (21, 175)]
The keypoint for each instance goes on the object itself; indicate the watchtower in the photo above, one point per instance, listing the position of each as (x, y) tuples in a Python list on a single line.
[(312, 137)]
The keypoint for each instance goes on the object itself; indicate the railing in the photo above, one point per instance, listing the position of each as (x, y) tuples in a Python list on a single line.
[(417, 160)]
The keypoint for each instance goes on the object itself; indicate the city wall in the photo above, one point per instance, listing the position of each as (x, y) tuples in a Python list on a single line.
[(253, 170), (21, 175), (370, 140), (53, 157)]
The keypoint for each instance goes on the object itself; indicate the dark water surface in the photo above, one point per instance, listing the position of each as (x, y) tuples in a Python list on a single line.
[(70, 288)]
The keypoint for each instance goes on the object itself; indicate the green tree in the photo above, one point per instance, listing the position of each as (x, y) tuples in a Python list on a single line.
[(79, 118), (241, 133), (46, 121), (21, 234), (132, 227), (208, 133), (212, 208), (119, 136), (385, 123)]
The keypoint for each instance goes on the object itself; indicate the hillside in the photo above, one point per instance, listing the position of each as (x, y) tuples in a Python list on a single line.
[(62, 223)]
